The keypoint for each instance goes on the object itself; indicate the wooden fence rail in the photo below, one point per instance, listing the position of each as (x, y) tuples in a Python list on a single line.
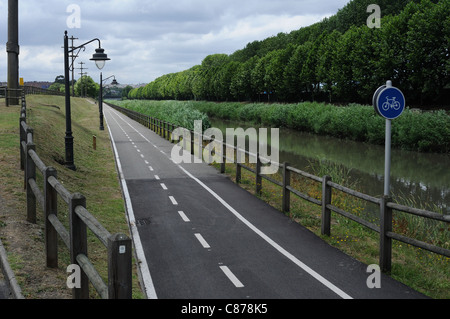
[(14, 94), (118, 246), (385, 204)]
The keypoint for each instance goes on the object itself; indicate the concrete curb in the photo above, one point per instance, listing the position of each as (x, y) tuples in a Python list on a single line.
[(9, 274)]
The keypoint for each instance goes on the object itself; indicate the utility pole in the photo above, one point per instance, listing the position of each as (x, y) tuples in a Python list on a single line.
[(12, 47), (73, 56), (81, 78)]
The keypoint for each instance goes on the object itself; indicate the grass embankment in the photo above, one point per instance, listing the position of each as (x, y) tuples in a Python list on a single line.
[(424, 271), (95, 178)]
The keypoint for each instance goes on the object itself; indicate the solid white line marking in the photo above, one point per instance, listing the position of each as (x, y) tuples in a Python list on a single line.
[(202, 241), (164, 186), (143, 266), (172, 199), (183, 216), (231, 276)]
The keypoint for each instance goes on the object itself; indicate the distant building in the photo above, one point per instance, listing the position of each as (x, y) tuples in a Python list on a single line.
[(39, 84)]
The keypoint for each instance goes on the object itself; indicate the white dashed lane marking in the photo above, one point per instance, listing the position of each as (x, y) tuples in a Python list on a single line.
[(202, 241), (183, 216), (232, 277), (172, 199)]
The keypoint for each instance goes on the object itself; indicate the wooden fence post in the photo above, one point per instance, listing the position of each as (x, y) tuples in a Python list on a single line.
[(224, 158), (78, 243), (326, 212), (192, 142), (238, 166), (23, 138), (200, 146), (30, 173), (184, 139), (286, 205), (258, 179), (50, 207), (119, 267), (164, 129), (385, 240)]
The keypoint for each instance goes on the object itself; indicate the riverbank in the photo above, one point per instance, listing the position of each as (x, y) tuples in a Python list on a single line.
[(414, 130)]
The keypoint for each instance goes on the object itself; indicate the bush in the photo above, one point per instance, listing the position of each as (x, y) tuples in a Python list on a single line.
[(414, 130)]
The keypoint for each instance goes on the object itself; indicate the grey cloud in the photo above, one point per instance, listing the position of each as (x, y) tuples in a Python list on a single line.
[(146, 39)]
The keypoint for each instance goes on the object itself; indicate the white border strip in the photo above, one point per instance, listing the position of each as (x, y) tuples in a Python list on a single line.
[(142, 262)]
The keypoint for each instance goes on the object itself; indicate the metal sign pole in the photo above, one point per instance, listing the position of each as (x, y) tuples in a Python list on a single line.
[(389, 102), (388, 144), (387, 160)]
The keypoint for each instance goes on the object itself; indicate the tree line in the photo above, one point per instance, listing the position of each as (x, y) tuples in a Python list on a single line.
[(87, 87), (338, 60)]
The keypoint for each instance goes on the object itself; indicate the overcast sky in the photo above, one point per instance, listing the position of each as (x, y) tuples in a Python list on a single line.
[(148, 38)]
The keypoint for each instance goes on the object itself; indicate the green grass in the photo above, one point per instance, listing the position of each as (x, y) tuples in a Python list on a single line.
[(96, 176), (179, 114)]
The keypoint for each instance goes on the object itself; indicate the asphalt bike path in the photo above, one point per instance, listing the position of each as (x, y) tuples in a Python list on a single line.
[(198, 235)]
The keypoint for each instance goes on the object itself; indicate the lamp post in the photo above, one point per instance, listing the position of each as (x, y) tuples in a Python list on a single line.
[(100, 58), (100, 98)]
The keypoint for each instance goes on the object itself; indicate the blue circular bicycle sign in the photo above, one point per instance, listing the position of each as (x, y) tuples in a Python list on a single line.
[(389, 102)]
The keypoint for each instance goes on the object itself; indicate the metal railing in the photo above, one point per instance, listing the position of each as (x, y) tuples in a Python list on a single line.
[(119, 285), (385, 204)]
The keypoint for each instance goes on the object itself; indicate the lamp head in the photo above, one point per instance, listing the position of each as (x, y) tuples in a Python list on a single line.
[(100, 57)]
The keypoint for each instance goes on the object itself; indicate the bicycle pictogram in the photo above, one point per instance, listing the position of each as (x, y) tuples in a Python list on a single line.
[(391, 104)]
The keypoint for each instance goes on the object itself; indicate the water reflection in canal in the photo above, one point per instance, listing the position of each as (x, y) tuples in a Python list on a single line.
[(422, 178)]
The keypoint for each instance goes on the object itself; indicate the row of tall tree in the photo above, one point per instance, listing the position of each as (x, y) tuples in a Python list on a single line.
[(339, 59)]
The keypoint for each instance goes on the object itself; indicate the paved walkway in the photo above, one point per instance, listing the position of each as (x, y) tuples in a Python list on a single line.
[(199, 235)]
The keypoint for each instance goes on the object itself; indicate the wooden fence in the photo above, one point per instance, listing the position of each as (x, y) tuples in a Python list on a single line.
[(385, 204), (118, 246), (15, 94)]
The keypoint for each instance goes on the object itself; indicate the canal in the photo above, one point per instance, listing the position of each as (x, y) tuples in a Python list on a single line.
[(421, 180)]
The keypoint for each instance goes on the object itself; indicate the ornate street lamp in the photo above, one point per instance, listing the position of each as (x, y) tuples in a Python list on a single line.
[(100, 96), (100, 58)]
